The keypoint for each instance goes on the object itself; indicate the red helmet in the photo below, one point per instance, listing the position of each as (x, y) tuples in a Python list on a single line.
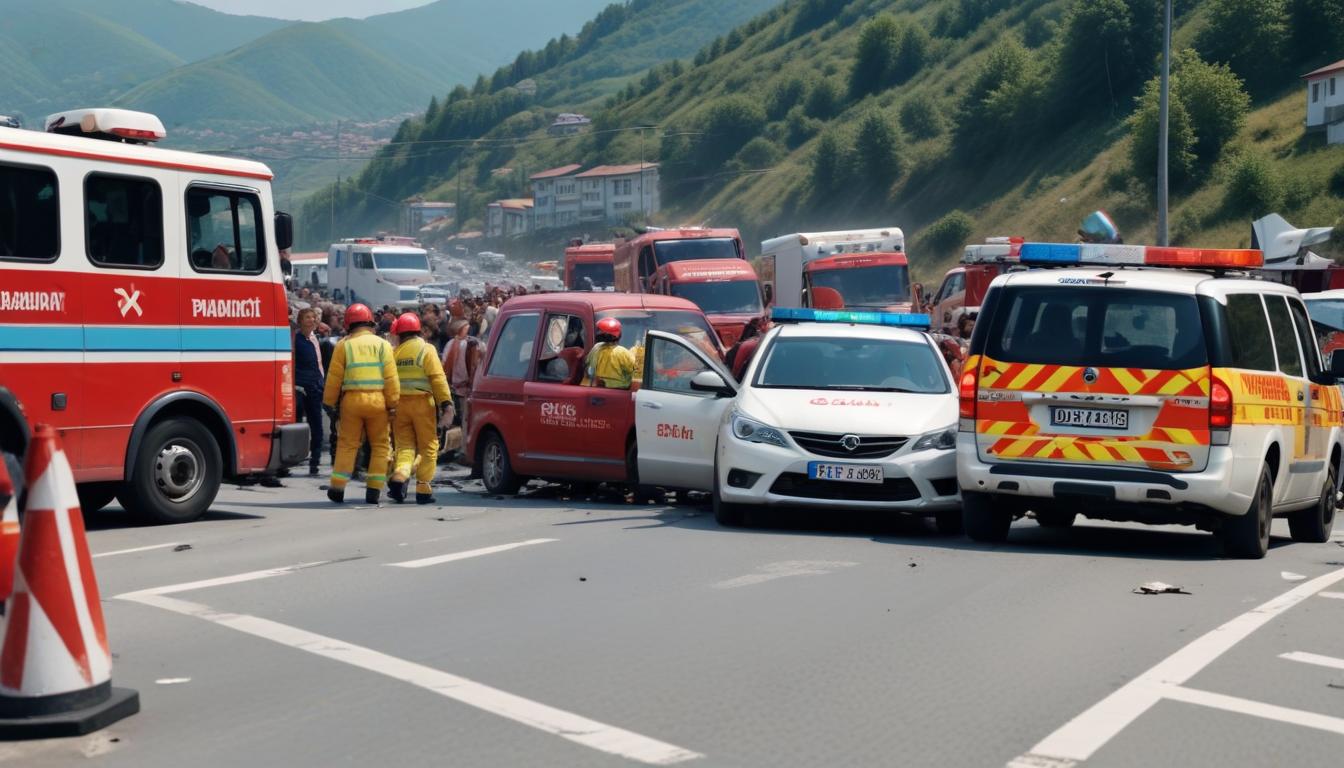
[(357, 313), (409, 322), (609, 326)]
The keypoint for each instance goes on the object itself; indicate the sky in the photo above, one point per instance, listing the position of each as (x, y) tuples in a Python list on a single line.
[(310, 10)]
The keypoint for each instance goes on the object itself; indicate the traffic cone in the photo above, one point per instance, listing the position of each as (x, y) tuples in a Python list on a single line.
[(55, 666), (9, 532)]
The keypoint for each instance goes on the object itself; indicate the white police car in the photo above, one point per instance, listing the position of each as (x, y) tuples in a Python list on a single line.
[(838, 410)]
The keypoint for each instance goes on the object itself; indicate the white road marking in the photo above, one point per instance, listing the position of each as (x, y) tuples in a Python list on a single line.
[(221, 581), (172, 680), (1257, 709), (1082, 736), (785, 569), (440, 559), (1314, 658), (1290, 576), (137, 549), (578, 729), (1335, 595)]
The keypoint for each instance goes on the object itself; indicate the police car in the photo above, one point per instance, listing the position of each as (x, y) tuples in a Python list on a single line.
[(838, 410), (1159, 385)]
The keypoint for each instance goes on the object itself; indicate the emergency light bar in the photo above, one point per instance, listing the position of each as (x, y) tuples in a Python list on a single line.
[(1099, 255), (118, 124), (994, 250), (890, 319)]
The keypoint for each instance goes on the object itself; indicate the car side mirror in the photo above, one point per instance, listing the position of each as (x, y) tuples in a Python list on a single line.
[(1337, 363), (284, 230), (711, 381)]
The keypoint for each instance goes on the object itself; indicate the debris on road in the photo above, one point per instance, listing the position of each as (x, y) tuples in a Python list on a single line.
[(181, 547), (447, 519), (583, 578), (172, 680), (1159, 588), (1290, 576)]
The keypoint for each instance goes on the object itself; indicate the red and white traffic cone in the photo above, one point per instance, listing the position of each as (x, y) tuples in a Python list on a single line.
[(55, 666), (9, 531)]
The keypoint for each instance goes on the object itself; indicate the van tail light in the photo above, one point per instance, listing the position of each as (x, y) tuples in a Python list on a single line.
[(966, 394), (1220, 405)]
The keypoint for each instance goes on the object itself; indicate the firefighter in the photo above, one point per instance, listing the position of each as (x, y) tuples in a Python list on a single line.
[(362, 386), (424, 398), (608, 363)]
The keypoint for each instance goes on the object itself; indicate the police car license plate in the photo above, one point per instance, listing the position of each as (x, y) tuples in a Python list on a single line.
[(844, 473), (1089, 418)]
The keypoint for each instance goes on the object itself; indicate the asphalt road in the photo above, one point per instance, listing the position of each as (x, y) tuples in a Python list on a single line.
[(554, 631)]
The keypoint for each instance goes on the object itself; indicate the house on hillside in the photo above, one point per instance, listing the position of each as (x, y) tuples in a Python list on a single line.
[(555, 193), (505, 218), (1325, 101), (568, 124), (612, 193), (418, 213)]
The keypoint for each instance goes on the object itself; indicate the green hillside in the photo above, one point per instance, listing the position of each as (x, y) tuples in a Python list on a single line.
[(955, 119)]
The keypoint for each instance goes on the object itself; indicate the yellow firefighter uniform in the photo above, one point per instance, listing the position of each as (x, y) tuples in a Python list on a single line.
[(424, 387), (611, 364), (362, 379)]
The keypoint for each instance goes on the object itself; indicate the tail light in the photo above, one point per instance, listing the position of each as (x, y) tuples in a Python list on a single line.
[(966, 393), (1220, 405)]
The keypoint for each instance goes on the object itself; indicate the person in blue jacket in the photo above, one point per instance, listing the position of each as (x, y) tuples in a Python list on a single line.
[(309, 380)]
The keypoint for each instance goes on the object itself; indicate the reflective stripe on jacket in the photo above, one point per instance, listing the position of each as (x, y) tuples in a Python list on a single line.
[(420, 371)]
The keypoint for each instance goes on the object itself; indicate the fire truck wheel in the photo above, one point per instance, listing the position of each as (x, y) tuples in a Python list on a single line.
[(1314, 523), (95, 496), (176, 476), (986, 518), (496, 470), (1246, 536)]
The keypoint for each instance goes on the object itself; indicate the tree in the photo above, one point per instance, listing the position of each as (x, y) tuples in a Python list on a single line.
[(1215, 100), (913, 54), (783, 95), (877, 150), (920, 116), (824, 100), (1250, 36), (1254, 187), (828, 165), (757, 154), (1107, 50), (814, 13), (947, 234), (1143, 132), (1003, 98), (875, 60)]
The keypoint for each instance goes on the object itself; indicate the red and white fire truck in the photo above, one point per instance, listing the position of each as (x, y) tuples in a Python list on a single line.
[(860, 269), (964, 286), (143, 312), (588, 266)]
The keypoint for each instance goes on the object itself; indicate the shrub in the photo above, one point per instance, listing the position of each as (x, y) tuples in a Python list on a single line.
[(1215, 100), (1253, 186), (783, 96), (1248, 35), (920, 117), (875, 59), (799, 128), (1337, 181), (828, 161), (1143, 134), (948, 233), (877, 151), (825, 100), (758, 153)]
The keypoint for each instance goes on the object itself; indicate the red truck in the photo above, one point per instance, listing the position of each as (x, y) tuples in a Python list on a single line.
[(706, 266), (849, 269), (964, 286), (588, 267)]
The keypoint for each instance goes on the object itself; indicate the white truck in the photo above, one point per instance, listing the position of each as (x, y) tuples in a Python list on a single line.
[(860, 269), (377, 272)]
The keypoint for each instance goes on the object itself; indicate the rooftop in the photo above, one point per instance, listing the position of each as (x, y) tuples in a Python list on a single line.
[(563, 170), (615, 170), (1327, 69)]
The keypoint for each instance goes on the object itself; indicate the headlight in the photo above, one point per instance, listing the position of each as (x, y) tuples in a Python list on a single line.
[(756, 432), (943, 440)]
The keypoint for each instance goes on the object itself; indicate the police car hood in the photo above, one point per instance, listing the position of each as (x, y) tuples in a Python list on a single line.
[(841, 412)]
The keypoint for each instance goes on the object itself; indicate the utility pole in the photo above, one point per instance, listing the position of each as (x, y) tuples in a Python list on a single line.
[(1162, 139), (331, 228)]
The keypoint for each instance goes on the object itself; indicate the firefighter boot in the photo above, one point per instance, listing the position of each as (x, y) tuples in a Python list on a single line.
[(336, 494), (424, 498), (371, 495), (396, 490)]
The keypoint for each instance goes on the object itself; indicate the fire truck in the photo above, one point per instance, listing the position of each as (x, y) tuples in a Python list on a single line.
[(963, 288), (861, 269), (143, 312), (588, 266), (706, 266)]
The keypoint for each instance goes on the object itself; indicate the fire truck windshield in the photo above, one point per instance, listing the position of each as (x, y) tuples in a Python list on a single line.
[(866, 286), (668, 251), (401, 260), (592, 277), (734, 297)]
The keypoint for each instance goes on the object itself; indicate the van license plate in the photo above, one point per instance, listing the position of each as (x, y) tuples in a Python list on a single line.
[(844, 473), (1088, 418)]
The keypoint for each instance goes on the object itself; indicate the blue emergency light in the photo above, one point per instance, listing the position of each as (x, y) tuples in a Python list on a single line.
[(1117, 255), (890, 319)]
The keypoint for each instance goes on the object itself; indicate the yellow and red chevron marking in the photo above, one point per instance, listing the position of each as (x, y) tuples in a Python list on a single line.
[(1109, 450), (1033, 377), (1330, 403)]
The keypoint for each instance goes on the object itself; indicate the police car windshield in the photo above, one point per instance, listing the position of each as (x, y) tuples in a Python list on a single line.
[(635, 323), (401, 260), (851, 364), (722, 298), (1100, 326)]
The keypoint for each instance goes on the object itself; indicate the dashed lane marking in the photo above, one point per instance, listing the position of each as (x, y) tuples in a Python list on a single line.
[(1081, 737), (1314, 658), (575, 728), (425, 562), (137, 549)]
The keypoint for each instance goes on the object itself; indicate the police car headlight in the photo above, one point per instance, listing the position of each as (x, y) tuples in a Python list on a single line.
[(755, 432), (942, 440)]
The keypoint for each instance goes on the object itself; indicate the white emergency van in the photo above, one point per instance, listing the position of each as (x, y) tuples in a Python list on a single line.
[(377, 272)]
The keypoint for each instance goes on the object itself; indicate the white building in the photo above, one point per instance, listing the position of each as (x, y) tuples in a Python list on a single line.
[(1325, 101), (504, 218), (556, 196), (568, 124), (613, 193)]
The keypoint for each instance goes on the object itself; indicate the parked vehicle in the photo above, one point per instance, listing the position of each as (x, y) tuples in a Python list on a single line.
[(377, 272), (964, 286), (860, 269), (588, 267), (143, 312), (310, 270)]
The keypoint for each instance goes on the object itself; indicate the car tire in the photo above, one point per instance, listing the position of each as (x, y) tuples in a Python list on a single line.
[(176, 476), (1246, 536), (726, 513), (497, 468), (1313, 524), (1055, 518), (949, 522), (95, 496), (985, 517)]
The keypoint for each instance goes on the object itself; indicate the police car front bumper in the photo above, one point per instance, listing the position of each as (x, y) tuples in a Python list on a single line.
[(919, 483), (1216, 488), (289, 446)]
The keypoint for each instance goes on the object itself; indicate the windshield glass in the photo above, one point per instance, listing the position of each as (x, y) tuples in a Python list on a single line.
[(866, 286), (1108, 327), (592, 276), (668, 251), (394, 260), (871, 365), (635, 323), (735, 297), (1326, 314)]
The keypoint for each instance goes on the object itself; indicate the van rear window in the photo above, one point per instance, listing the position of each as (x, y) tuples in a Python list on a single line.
[(1103, 327)]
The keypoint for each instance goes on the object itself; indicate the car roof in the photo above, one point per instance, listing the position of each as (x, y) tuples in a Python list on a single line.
[(599, 301), (1189, 281), (849, 331)]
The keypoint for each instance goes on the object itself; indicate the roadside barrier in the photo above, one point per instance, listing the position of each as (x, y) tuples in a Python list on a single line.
[(55, 665)]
